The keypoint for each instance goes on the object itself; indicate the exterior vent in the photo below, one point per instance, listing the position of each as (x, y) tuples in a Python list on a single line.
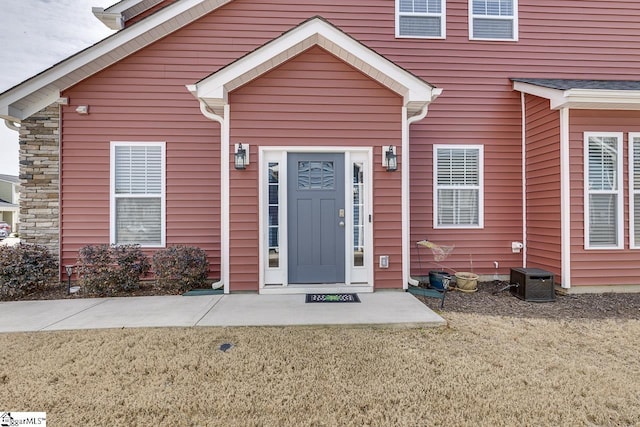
[(532, 284)]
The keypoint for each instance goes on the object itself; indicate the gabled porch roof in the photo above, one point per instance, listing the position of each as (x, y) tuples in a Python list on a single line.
[(213, 90), (583, 94)]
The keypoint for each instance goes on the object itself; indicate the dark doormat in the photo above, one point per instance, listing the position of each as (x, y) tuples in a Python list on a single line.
[(197, 292), (332, 298)]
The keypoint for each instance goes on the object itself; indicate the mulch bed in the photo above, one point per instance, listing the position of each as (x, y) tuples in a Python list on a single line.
[(60, 292), (484, 302), (573, 306)]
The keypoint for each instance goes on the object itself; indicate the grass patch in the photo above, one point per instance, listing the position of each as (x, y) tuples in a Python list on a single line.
[(481, 370)]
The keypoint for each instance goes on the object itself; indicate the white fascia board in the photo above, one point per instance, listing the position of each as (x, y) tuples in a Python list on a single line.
[(554, 95), (316, 32), (584, 98), (602, 99), (123, 5), (144, 33)]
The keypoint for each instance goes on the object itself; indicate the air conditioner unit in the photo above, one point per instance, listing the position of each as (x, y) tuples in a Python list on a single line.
[(532, 284)]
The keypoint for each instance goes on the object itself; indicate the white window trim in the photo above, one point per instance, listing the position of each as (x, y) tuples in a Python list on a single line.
[(480, 149), (632, 195), (620, 192), (513, 18), (112, 191), (443, 22)]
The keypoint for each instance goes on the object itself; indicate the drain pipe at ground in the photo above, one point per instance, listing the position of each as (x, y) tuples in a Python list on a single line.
[(405, 184), (224, 154)]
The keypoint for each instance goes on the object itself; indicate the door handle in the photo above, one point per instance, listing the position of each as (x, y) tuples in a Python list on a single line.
[(341, 223)]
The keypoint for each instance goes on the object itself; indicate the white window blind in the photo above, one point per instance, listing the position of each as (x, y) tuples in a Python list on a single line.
[(420, 18), (138, 194), (458, 186), (493, 19), (634, 189), (603, 195)]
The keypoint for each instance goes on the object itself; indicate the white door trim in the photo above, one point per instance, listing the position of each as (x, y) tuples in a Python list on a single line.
[(274, 280)]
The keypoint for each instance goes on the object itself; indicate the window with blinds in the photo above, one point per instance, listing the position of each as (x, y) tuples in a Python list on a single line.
[(603, 191), (493, 19), (138, 194), (420, 18), (458, 186), (634, 189)]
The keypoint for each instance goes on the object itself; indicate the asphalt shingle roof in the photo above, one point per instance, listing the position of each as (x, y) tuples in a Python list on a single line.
[(566, 84)]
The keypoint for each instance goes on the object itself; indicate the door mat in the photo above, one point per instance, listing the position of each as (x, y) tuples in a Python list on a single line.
[(195, 292), (332, 298)]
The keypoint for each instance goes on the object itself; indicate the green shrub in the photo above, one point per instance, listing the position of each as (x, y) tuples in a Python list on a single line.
[(180, 268), (25, 268), (105, 270)]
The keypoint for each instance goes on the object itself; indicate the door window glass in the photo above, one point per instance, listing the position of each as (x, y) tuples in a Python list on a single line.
[(274, 215), (316, 175), (358, 214)]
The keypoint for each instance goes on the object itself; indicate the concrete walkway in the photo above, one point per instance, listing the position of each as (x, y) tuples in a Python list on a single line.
[(379, 308)]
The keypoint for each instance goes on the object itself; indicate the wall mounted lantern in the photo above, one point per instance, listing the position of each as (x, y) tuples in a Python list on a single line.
[(241, 156), (389, 158)]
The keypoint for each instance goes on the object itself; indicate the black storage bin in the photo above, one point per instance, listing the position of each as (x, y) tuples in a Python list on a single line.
[(534, 284)]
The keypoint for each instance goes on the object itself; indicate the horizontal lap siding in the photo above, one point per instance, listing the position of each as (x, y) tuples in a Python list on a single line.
[(281, 109), (561, 39), (128, 102), (543, 186), (600, 267), (478, 106)]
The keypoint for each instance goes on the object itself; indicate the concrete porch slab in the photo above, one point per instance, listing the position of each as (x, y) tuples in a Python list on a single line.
[(378, 308)]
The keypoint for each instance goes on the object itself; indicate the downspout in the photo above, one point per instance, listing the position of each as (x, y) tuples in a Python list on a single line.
[(406, 208), (224, 192), (565, 200), (524, 179)]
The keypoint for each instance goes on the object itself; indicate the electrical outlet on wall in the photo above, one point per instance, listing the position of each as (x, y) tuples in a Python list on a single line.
[(384, 261)]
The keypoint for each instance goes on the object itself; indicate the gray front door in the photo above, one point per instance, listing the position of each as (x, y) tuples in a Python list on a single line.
[(316, 217)]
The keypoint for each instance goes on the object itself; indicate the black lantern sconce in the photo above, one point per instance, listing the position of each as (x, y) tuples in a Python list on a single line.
[(389, 158), (241, 156)]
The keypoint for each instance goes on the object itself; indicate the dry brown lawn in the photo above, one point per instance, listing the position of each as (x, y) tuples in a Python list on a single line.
[(479, 370)]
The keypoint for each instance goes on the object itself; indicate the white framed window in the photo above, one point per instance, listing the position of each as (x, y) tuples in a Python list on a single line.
[(493, 20), (634, 190), (603, 197), (458, 177), (138, 193), (421, 18)]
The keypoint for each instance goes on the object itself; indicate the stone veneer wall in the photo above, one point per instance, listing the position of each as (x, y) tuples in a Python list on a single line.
[(40, 179)]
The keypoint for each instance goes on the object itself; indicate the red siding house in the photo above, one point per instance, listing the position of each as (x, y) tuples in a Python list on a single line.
[(310, 145)]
